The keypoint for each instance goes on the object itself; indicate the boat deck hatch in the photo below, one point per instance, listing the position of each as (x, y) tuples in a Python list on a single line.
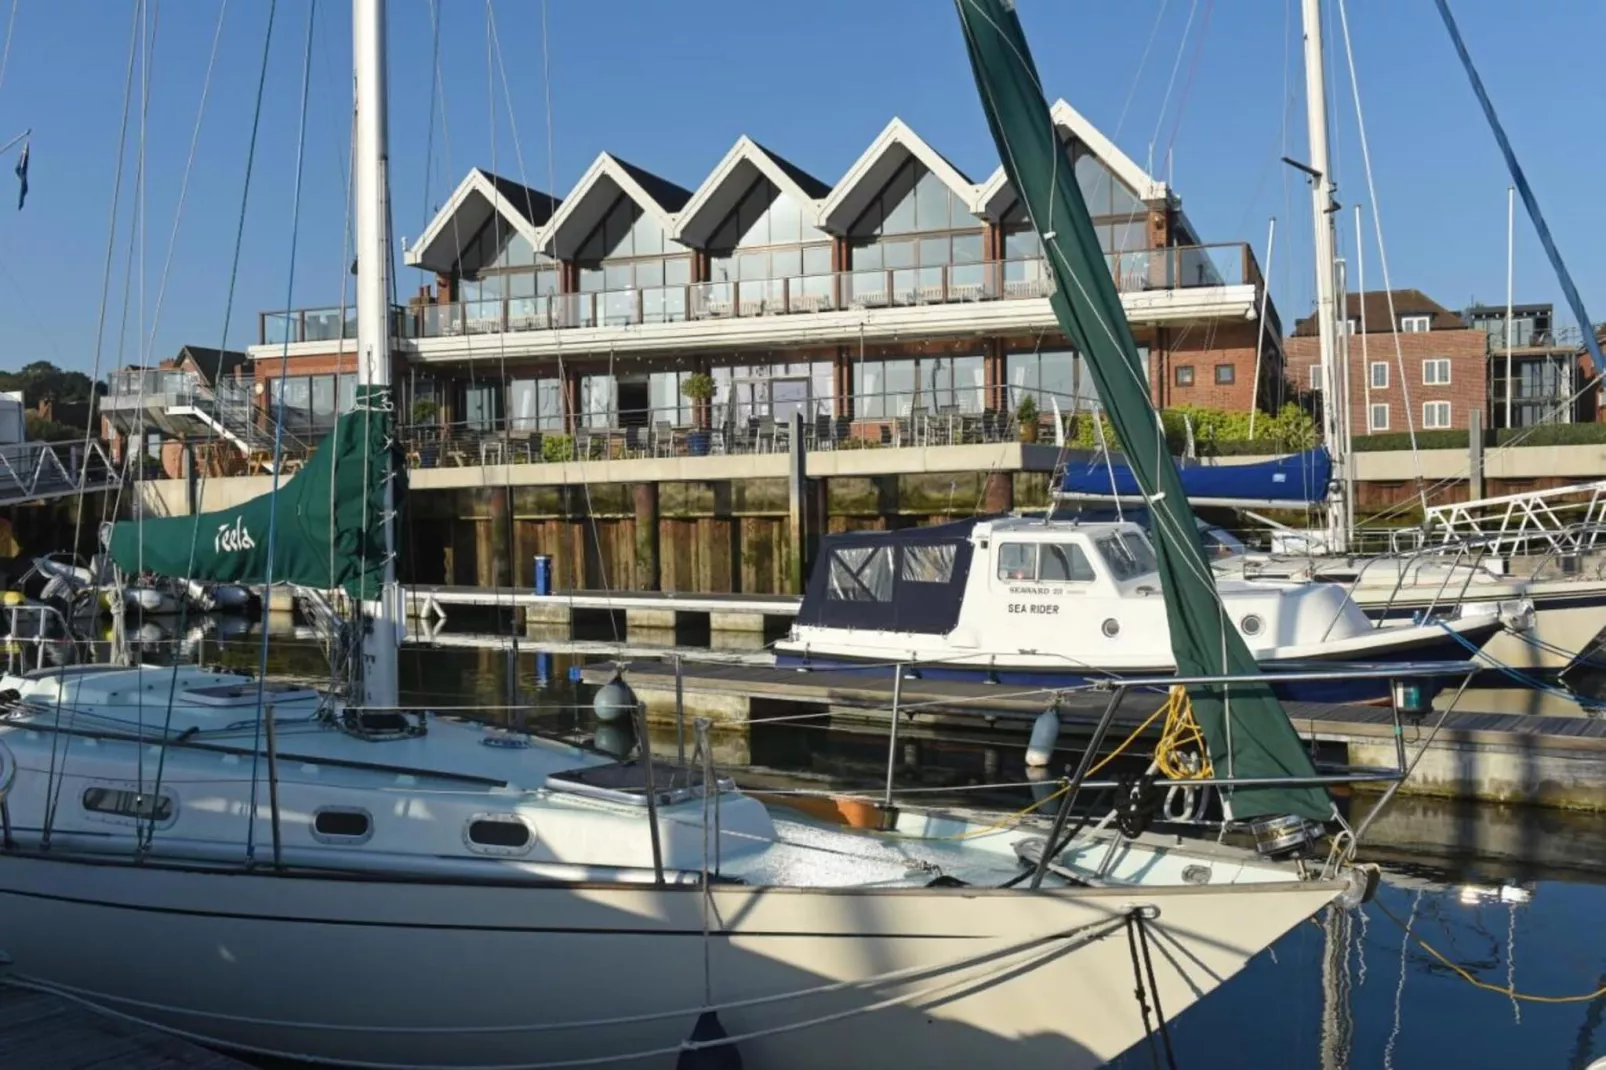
[(626, 782), (246, 694)]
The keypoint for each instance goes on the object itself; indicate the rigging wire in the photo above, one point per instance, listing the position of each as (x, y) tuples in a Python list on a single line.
[(5, 57), (53, 795), (1382, 252), (284, 365)]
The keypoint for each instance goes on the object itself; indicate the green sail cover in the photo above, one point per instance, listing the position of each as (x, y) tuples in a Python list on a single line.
[(1249, 721), (327, 533)]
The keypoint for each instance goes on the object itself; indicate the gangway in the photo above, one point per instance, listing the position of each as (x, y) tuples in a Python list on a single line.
[(1562, 520)]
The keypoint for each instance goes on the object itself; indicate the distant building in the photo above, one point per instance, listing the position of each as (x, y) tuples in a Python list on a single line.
[(1545, 371), (1412, 363), (904, 292)]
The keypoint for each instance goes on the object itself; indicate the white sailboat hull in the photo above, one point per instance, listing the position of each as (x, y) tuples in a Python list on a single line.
[(439, 974)]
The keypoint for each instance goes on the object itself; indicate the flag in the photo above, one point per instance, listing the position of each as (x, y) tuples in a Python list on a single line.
[(22, 177)]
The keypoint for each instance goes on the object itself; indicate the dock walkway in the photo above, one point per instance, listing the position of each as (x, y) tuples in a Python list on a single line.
[(46, 1032), (1492, 757)]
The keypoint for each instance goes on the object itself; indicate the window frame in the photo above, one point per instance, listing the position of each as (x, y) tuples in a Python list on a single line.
[(1416, 324), (1433, 362), (1372, 423), (1177, 375), (1316, 375), (1437, 406), (1232, 375), (1376, 366)]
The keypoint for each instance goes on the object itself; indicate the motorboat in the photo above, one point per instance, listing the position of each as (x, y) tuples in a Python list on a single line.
[(1035, 601)]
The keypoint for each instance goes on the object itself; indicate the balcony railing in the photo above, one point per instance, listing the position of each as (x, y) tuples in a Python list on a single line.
[(1176, 268), (732, 430), (323, 325)]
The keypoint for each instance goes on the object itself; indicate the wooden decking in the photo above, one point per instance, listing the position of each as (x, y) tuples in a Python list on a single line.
[(45, 1032)]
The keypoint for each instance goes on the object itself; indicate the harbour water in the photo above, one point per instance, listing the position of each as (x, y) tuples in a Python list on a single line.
[(1511, 895)]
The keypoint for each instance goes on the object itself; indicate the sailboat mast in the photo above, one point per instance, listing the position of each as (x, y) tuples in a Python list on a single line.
[(1334, 401), (379, 675)]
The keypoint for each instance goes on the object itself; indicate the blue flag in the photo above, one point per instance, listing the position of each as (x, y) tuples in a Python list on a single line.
[(22, 177)]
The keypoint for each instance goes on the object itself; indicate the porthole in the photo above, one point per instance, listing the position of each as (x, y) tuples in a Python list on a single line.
[(1251, 624), (1111, 627), (135, 805), (498, 834), (342, 824)]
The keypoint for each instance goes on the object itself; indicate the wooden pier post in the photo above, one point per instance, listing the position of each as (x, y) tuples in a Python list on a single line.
[(646, 510)]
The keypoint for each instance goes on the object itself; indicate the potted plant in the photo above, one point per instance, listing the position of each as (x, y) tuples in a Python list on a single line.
[(1026, 417), (698, 387), (425, 431)]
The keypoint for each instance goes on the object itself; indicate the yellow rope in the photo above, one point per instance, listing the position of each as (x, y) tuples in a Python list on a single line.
[(1466, 975), (1181, 731)]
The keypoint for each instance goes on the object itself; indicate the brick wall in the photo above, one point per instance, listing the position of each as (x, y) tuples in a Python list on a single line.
[(1467, 390), (1186, 364)]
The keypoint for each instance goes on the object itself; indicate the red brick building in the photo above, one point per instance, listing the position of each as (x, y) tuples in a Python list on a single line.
[(1412, 363)]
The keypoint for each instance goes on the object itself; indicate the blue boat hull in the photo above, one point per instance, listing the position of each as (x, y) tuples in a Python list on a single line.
[(1438, 647)]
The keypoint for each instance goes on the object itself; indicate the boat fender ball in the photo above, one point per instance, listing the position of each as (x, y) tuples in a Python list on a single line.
[(717, 1057), (1045, 733), (614, 700)]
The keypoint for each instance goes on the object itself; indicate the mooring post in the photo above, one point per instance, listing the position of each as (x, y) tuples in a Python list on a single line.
[(797, 508), (892, 734)]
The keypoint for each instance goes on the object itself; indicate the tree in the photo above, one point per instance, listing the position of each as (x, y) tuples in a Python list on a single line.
[(41, 379)]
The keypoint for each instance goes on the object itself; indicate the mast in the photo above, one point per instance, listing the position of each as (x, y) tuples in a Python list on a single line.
[(1334, 401), (379, 675)]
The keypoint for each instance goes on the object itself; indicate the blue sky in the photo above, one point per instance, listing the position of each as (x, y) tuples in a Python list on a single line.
[(670, 84)]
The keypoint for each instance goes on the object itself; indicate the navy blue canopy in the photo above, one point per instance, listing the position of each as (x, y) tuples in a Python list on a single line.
[(1296, 479), (912, 580)]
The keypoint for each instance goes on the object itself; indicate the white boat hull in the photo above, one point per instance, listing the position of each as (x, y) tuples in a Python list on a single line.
[(439, 974)]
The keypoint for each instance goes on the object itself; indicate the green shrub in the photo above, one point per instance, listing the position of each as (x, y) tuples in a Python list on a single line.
[(1552, 435), (556, 448), (1401, 440)]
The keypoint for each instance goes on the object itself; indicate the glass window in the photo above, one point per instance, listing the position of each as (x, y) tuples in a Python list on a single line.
[(860, 574), (1127, 556), (1436, 415), (1184, 374), (1415, 324), (598, 400), (928, 564), (1436, 372), (1064, 562), (1379, 418), (967, 249), (816, 260), (120, 802), (1380, 375), (1226, 374), (1022, 245), (1017, 561)]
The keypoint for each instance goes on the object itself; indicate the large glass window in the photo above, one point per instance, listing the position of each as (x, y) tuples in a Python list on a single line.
[(920, 232), (627, 252), (884, 389), (668, 405), (745, 393), (1056, 377), (479, 405), (535, 405), (308, 404), (599, 400), (767, 237)]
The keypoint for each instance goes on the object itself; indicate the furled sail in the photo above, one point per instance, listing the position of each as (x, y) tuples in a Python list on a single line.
[(1298, 479), (327, 533), (1248, 732)]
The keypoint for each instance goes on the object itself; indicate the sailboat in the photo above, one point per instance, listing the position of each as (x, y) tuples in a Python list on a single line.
[(272, 869)]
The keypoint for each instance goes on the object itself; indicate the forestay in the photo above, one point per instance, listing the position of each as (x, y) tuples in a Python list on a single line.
[(327, 534), (1248, 731)]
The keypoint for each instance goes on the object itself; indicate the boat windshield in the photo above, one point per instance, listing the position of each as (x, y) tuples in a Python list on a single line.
[(1219, 543), (1127, 555)]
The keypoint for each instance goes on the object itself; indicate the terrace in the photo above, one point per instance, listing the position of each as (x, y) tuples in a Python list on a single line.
[(1136, 273)]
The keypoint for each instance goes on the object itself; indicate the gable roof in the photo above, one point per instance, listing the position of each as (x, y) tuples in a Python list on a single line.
[(996, 196), (211, 364), (1406, 303), (607, 178), (469, 208), (876, 166), (717, 197)]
